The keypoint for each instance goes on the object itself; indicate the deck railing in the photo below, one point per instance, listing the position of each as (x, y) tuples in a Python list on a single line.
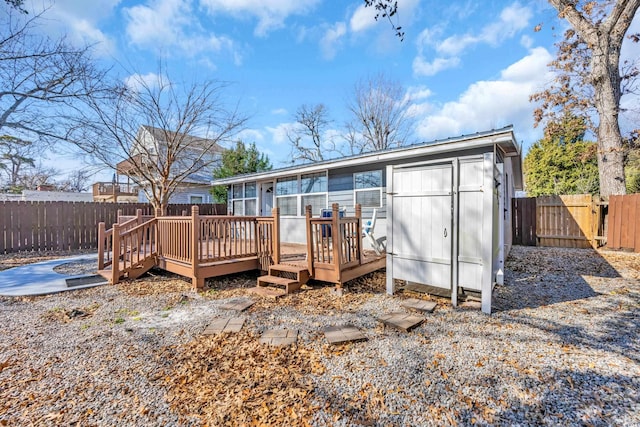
[(126, 244), (333, 244)]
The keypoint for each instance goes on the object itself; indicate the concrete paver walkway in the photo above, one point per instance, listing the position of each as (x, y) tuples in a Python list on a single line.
[(40, 279)]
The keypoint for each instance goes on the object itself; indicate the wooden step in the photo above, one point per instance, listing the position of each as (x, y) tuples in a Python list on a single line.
[(290, 285), (301, 273)]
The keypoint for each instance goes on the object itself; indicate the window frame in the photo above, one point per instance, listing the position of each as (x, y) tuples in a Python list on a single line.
[(243, 200), (299, 211), (357, 190)]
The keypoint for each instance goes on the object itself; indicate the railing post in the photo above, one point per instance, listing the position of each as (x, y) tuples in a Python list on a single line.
[(118, 215), (275, 212), (101, 232), (335, 238), (310, 254), (115, 257), (359, 233), (157, 212), (195, 240)]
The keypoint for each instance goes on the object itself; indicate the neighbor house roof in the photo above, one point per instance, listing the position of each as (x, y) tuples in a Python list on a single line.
[(503, 138)]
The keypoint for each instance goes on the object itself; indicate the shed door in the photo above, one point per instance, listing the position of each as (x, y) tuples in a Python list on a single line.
[(421, 224)]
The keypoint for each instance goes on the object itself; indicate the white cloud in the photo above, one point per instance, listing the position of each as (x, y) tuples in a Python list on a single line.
[(362, 19), (421, 67), (280, 111), (271, 14), (512, 19), (251, 135), (331, 39), (78, 20), (171, 26), (279, 133), (136, 82), (493, 103)]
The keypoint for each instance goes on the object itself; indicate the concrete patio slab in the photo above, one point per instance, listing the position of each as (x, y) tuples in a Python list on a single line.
[(419, 305), (402, 321), (224, 324), (238, 304), (279, 337), (40, 279), (343, 334)]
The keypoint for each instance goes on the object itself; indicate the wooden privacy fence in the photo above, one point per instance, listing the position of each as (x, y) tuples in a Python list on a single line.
[(570, 221), (42, 226), (624, 222)]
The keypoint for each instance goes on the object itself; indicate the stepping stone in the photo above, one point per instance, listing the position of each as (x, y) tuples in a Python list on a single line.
[(343, 334), (265, 291), (402, 321), (238, 304), (224, 324), (279, 337), (420, 305)]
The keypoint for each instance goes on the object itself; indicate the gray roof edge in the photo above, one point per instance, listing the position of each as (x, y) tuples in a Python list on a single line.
[(478, 139)]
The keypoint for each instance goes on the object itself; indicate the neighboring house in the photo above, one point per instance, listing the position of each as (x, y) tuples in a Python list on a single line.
[(47, 196), (444, 206), (151, 146)]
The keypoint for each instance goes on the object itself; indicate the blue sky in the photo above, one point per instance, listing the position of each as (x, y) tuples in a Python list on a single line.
[(466, 66)]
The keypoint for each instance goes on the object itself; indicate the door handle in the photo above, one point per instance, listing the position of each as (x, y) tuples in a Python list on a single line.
[(445, 232)]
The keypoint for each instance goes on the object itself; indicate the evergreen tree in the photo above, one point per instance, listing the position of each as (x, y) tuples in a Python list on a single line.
[(562, 162), (238, 160)]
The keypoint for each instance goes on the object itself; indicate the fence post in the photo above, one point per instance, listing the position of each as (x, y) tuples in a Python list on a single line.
[(115, 257), (310, 255), (359, 233), (195, 240), (335, 238), (118, 215), (275, 212), (101, 232)]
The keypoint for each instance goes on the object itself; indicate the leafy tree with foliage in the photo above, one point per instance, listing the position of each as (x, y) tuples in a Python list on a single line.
[(238, 160), (589, 73), (562, 162)]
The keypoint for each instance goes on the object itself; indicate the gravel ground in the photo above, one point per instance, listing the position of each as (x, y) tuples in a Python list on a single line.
[(561, 348)]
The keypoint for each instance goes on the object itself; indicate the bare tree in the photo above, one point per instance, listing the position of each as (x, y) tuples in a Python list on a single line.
[(594, 43), (76, 182), (16, 155), (42, 81), (33, 177), (159, 133), (379, 115), (590, 77), (309, 139)]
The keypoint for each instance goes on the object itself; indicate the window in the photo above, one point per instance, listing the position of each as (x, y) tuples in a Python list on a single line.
[(368, 188), (313, 183), (196, 199), (293, 193), (243, 199), (285, 186), (287, 205)]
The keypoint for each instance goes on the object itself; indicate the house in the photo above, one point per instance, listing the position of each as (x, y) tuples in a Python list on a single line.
[(195, 158), (42, 195), (444, 207)]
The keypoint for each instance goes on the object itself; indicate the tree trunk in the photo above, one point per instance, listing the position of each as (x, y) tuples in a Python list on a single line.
[(605, 77)]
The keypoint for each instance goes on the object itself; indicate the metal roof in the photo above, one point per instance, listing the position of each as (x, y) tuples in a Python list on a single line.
[(503, 137)]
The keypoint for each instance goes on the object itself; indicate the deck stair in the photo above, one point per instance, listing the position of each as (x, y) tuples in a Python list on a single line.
[(131, 271), (289, 277)]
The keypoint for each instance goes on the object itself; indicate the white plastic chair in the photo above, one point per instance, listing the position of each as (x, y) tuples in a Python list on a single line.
[(367, 231)]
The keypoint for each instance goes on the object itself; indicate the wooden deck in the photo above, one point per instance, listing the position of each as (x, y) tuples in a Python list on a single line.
[(201, 247)]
